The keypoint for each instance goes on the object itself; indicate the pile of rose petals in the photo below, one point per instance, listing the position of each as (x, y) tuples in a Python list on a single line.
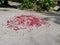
[(25, 21)]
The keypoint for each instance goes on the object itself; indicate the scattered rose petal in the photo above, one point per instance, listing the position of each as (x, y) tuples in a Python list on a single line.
[(24, 21)]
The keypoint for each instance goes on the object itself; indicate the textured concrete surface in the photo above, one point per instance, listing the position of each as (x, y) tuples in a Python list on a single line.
[(43, 36)]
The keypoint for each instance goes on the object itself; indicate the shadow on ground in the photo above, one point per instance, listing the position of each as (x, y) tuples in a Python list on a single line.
[(53, 17), (52, 14)]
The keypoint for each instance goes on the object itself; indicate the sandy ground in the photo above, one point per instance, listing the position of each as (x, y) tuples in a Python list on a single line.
[(42, 36)]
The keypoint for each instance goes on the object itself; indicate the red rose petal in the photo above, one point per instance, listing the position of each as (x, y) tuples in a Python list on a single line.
[(25, 20)]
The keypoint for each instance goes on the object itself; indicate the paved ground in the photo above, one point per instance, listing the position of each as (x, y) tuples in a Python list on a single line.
[(43, 36)]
